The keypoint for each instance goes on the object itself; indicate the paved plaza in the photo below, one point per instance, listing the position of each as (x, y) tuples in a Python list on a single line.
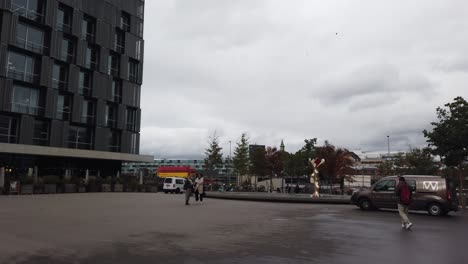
[(158, 228)]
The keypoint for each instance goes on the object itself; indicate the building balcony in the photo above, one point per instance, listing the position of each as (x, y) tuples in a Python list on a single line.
[(31, 46), (27, 109), (22, 76), (27, 13)]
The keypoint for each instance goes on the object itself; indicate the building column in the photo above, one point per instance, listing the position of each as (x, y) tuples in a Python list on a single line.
[(36, 174), (87, 176)]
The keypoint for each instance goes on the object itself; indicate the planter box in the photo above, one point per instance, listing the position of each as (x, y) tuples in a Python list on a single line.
[(70, 188), (27, 189), (93, 188), (106, 188), (118, 187), (50, 188), (82, 189), (153, 189)]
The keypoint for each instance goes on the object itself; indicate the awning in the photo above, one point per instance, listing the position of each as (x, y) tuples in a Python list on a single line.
[(71, 153)]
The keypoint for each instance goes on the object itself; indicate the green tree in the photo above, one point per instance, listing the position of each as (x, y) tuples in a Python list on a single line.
[(241, 159), (419, 162), (449, 137), (213, 155), (338, 163)]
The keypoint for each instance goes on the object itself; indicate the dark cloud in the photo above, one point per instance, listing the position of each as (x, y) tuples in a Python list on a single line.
[(278, 70)]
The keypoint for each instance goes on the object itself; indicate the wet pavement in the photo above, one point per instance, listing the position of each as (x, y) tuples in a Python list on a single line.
[(158, 228)]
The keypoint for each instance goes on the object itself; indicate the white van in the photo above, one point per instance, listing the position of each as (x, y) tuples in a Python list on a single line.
[(173, 185)]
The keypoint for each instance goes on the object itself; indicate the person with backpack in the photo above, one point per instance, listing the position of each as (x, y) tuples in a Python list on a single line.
[(188, 187), (404, 195)]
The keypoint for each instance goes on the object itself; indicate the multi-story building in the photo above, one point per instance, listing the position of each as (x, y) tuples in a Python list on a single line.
[(70, 79), (198, 164)]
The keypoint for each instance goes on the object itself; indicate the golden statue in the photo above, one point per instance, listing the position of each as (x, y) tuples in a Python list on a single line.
[(315, 164)]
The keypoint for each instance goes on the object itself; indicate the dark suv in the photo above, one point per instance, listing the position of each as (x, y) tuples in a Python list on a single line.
[(431, 193)]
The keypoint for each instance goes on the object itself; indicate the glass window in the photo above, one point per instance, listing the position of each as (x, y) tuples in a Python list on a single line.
[(87, 112), (117, 91), (64, 18), (139, 46), (92, 58), (85, 86), (114, 65), (80, 138), (63, 107), (131, 119), (41, 133), (111, 116), (29, 38), (114, 141), (140, 29), (21, 67), (68, 50), (59, 77), (26, 100), (88, 28), (385, 186), (134, 144), (140, 9), (119, 41), (31, 9), (132, 71), (8, 129), (125, 21)]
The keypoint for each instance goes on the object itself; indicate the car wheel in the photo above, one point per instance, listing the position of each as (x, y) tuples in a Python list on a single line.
[(177, 191), (365, 204), (435, 209), (165, 192)]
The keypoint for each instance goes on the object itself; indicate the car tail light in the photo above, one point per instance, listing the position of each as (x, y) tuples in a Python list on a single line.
[(449, 195)]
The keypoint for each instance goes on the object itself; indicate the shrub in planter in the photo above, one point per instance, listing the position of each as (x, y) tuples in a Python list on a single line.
[(27, 185), (106, 185), (69, 186), (131, 186), (39, 186), (118, 186), (92, 185), (79, 183), (50, 183)]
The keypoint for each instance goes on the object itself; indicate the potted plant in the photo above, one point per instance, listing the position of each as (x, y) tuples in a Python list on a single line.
[(69, 186), (93, 185), (50, 183), (80, 184), (131, 185), (27, 185), (106, 184), (118, 186)]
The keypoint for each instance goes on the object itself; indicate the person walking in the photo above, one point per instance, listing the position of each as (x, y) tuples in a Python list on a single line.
[(404, 195), (188, 187), (199, 190)]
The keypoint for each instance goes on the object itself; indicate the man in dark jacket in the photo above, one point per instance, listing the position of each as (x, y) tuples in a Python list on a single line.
[(188, 187), (403, 192)]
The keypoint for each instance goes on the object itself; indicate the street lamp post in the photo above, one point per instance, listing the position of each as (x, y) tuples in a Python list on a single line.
[(388, 145)]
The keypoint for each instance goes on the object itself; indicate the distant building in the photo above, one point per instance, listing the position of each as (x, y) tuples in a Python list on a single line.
[(198, 164)]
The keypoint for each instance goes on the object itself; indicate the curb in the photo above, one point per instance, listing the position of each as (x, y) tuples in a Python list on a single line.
[(278, 199)]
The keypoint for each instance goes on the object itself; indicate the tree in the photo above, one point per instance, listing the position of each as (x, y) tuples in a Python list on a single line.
[(274, 163), (214, 157), (300, 163), (241, 159), (258, 162), (449, 137), (338, 163), (419, 162)]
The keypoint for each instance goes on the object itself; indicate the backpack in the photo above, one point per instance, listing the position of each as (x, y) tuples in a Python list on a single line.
[(405, 194)]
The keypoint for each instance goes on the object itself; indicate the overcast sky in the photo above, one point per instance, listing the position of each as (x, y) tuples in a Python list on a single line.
[(351, 72)]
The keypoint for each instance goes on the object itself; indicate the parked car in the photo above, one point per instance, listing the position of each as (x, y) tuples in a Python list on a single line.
[(431, 193), (173, 185)]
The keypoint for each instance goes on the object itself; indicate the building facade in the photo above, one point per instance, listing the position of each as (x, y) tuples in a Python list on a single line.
[(70, 85)]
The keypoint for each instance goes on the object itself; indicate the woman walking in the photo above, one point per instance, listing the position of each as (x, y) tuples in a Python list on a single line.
[(199, 190)]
